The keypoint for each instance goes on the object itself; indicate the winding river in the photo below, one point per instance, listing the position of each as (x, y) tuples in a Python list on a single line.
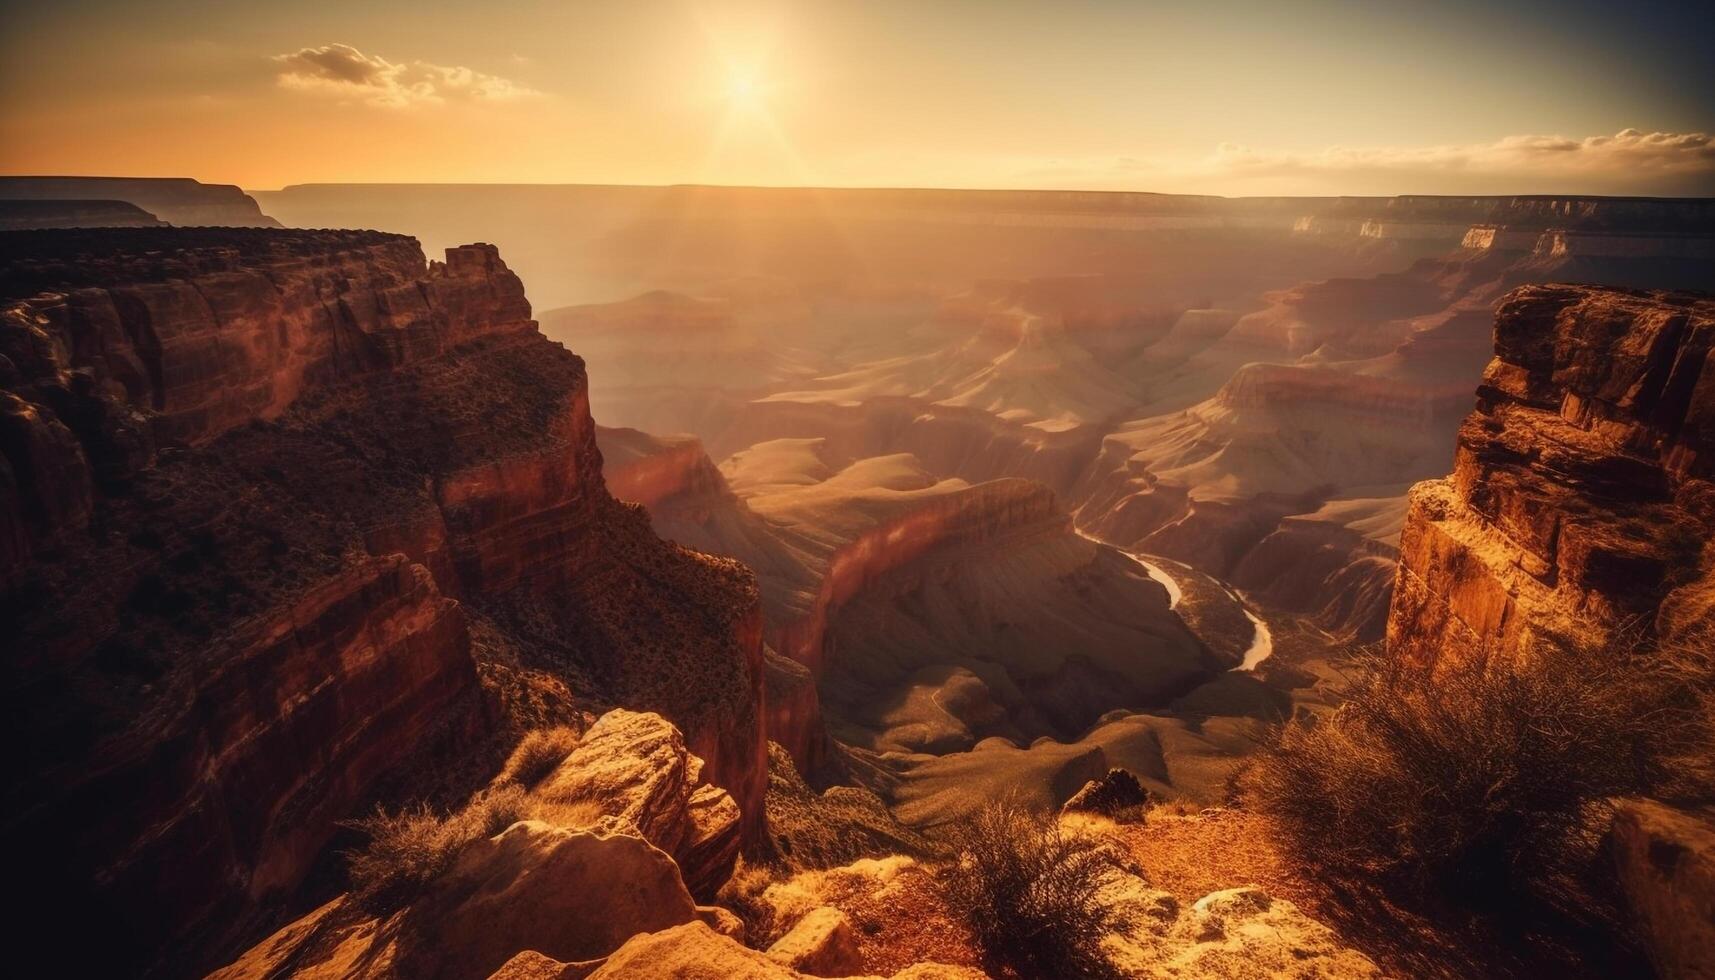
[(1262, 641)]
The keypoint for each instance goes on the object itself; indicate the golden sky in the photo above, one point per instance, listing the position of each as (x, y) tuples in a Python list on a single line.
[(1220, 96)]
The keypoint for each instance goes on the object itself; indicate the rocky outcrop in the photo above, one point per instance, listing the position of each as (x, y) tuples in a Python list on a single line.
[(247, 475), (1236, 932), (574, 895), (822, 944), (1665, 859), (1112, 795), (1580, 491), (634, 767), (175, 200)]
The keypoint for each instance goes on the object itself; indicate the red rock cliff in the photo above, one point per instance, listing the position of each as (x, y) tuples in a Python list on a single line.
[(284, 517), (1581, 486)]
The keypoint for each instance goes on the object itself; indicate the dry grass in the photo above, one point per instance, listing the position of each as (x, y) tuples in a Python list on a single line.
[(408, 850), (538, 753), (1030, 891), (1485, 779)]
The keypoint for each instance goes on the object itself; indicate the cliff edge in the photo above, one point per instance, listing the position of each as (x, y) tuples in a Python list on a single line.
[(292, 523)]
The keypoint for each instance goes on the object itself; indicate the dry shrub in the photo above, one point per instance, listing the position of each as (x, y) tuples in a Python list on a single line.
[(1490, 778), (539, 753), (743, 895), (410, 849), (1030, 891)]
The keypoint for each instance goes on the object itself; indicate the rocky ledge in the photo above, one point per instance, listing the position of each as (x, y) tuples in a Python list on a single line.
[(1580, 496), (292, 523)]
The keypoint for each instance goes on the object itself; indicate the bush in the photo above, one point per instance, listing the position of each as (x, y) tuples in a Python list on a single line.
[(1486, 778), (1031, 892), (410, 849), (538, 753)]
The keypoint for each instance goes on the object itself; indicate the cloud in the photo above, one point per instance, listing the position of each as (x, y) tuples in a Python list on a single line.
[(1630, 156), (343, 72)]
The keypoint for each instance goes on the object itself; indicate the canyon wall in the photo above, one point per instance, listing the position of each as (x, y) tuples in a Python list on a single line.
[(26, 215), (1580, 496), (1582, 505), (293, 523), (175, 200)]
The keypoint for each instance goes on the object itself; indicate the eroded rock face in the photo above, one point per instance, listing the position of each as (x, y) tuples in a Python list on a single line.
[(1581, 487), (634, 766), (252, 471)]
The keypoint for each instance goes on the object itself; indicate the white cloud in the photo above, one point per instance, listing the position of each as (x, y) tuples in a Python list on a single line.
[(341, 71)]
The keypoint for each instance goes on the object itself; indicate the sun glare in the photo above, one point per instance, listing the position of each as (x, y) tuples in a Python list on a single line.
[(743, 89)]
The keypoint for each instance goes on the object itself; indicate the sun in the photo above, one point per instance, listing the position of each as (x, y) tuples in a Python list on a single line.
[(744, 90)]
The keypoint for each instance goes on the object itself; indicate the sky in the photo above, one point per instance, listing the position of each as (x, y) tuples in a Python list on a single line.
[(1218, 96)]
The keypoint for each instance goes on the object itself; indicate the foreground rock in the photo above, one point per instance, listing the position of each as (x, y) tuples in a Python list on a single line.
[(694, 952), (633, 766), (1665, 859), (821, 944), (570, 894), (1240, 932)]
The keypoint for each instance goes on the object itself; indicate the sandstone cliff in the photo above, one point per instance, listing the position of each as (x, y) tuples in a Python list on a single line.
[(1581, 486), (1581, 505), (283, 517)]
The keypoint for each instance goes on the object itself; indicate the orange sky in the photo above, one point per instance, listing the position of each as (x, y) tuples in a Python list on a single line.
[(1223, 96)]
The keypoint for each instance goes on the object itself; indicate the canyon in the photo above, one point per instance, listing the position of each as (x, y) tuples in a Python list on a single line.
[(297, 524)]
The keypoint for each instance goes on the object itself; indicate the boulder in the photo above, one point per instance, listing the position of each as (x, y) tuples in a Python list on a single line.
[(1113, 795), (1665, 860), (569, 895), (822, 944), (634, 766)]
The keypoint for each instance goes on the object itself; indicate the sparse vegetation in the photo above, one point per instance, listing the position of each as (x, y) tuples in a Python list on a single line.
[(1492, 778), (538, 753), (409, 849), (1031, 892)]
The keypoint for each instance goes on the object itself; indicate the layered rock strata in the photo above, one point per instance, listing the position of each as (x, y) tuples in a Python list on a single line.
[(284, 516), (1580, 496)]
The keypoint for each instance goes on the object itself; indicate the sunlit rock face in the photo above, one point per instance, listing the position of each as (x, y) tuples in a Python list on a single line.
[(292, 518), (1580, 498)]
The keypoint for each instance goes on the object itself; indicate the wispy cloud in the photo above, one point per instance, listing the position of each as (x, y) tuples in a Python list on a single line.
[(1629, 162), (1629, 153), (343, 72)]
